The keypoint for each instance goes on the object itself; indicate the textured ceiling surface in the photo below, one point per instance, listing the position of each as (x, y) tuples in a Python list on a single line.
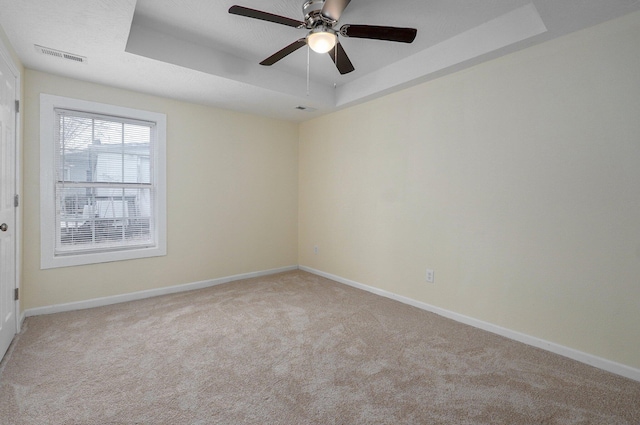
[(194, 50)]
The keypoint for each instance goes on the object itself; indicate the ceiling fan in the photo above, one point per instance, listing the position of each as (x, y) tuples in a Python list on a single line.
[(320, 18)]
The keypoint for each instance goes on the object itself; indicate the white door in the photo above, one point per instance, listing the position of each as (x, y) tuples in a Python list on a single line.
[(7, 206)]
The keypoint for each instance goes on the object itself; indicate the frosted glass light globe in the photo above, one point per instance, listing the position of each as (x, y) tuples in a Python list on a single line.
[(322, 41)]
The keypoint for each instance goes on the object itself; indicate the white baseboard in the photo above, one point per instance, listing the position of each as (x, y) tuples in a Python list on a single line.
[(599, 362), (114, 299)]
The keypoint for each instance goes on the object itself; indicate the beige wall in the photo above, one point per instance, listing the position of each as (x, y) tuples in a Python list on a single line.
[(517, 180), (231, 189)]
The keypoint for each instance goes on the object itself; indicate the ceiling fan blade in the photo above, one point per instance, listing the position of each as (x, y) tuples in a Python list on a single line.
[(403, 35), (270, 17), (340, 58), (332, 9), (284, 52)]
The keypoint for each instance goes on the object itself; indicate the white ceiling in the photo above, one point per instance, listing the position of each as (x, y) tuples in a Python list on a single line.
[(194, 50)]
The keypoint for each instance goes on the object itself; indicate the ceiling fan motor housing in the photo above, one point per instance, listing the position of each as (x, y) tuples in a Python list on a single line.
[(312, 14)]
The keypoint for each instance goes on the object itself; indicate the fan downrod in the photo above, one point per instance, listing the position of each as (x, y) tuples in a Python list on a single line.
[(311, 9)]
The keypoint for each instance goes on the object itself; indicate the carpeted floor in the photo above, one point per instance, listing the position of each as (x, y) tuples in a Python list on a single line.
[(292, 348)]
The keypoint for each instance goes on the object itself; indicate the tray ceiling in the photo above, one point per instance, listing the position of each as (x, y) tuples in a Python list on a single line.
[(194, 50)]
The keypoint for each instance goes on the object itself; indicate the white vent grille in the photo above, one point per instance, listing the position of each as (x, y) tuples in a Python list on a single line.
[(60, 54)]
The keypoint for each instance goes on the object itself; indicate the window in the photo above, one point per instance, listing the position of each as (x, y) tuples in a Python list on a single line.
[(102, 182)]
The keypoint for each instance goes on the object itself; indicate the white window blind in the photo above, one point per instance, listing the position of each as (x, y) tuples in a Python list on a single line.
[(102, 182), (104, 191)]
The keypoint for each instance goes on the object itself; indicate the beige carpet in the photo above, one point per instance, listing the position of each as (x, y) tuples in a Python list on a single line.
[(292, 348)]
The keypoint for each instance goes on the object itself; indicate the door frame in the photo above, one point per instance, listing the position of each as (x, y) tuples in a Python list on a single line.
[(13, 67)]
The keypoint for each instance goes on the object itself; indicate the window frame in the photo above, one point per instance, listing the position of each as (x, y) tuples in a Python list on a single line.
[(48, 258)]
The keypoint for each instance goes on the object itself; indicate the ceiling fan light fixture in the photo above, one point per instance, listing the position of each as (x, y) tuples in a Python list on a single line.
[(320, 17), (322, 39)]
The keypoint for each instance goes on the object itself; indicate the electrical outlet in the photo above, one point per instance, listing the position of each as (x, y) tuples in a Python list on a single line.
[(430, 276), (315, 249)]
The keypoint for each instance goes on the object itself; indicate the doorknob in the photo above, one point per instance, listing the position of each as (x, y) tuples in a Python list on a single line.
[(4, 227)]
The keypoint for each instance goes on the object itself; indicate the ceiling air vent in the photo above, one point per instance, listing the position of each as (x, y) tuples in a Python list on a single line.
[(60, 54)]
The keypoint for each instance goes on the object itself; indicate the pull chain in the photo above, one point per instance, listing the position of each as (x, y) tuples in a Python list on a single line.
[(308, 50)]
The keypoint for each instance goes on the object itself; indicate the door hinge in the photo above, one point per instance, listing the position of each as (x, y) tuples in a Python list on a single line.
[(16, 201), (16, 296), (17, 106)]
